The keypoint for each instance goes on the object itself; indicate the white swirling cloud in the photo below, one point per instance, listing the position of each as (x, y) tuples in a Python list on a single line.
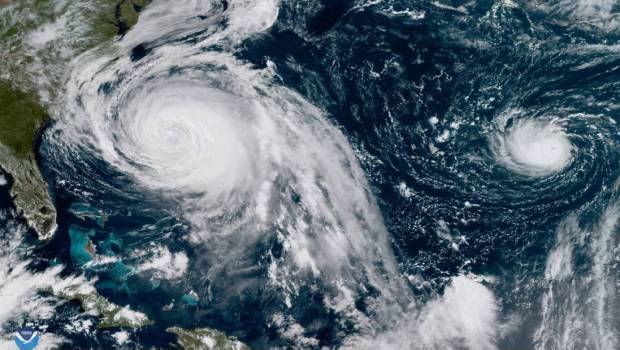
[(533, 147), (244, 158)]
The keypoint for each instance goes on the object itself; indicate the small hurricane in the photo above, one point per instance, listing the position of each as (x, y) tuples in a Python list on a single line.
[(237, 147), (533, 147)]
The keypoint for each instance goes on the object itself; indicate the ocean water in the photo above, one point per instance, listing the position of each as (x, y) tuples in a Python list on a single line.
[(355, 174)]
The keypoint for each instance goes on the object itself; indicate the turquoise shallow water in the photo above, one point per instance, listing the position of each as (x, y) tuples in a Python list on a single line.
[(80, 246), (487, 132)]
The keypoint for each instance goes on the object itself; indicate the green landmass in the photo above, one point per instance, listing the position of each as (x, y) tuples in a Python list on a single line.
[(130, 11), (111, 315), (206, 339), (21, 116), (38, 39), (113, 18), (31, 84)]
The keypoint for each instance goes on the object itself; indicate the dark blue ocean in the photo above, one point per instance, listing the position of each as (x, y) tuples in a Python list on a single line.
[(486, 130)]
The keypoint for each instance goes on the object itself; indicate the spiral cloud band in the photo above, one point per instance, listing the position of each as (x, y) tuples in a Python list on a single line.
[(247, 161), (533, 147)]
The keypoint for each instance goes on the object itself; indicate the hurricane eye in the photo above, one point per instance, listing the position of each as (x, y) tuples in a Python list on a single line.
[(269, 190), (533, 147)]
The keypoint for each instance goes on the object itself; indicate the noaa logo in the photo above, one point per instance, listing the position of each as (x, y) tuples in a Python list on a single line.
[(27, 338)]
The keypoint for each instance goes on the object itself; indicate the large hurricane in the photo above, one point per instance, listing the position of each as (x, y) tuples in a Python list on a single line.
[(385, 174), (247, 160)]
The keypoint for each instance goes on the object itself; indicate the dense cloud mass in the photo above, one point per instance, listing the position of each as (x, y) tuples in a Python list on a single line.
[(343, 174)]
